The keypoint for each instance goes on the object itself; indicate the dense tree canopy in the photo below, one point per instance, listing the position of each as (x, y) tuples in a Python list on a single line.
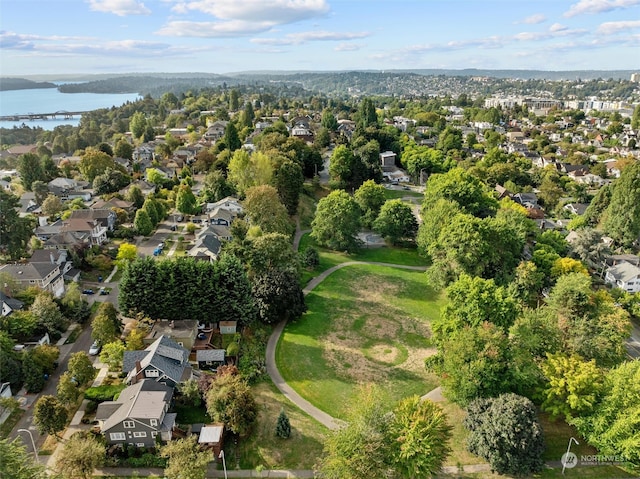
[(337, 222), (15, 231)]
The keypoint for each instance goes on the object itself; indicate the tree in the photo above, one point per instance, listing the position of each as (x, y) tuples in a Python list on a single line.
[(17, 463), (288, 179), (185, 459), (419, 438), (248, 170), (48, 313), (283, 426), (134, 194), (231, 402), (234, 290), (337, 222), (191, 392), (123, 149), (472, 301), (73, 305), (588, 247), (505, 431), (370, 198), (622, 217), (15, 231), (186, 201), (112, 355), (49, 415), (271, 250), (30, 169), (366, 115), (52, 205), (278, 295), (476, 362), (449, 139), (396, 222), (341, 167), (574, 385), (567, 265), (329, 120), (612, 427), (142, 222), (95, 162), (461, 187), (127, 252), (137, 124), (67, 390), (216, 187), (264, 209), (358, 450), (33, 372), (231, 138), (41, 190), (106, 327), (81, 454), (111, 181), (81, 368)]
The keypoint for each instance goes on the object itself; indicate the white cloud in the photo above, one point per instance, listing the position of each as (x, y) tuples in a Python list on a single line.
[(278, 12), (119, 7), (598, 6), (313, 36), (557, 27), (213, 29), (533, 19), (347, 47), (609, 28)]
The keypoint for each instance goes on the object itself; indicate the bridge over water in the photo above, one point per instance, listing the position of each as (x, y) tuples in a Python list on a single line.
[(67, 115)]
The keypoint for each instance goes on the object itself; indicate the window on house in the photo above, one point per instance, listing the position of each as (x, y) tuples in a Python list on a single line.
[(117, 436), (140, 434), (154, 434), (152, 373), (154, 422), (129, 424), (140, 444)]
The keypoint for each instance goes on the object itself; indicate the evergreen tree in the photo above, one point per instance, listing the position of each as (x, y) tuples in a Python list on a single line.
[(283, 427)]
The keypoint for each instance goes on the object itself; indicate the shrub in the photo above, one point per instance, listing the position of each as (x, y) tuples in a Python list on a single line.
[(283, 426)]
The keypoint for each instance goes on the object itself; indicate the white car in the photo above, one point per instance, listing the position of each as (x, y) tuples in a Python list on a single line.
[(95, 348)]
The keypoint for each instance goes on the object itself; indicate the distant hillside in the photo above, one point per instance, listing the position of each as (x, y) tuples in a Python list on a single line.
[(7, 84)]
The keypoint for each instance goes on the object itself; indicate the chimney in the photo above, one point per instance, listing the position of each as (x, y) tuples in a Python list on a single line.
[(51, 257), (139, 374)]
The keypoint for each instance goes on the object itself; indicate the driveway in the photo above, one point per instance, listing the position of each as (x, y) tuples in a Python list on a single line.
[(161, 234)]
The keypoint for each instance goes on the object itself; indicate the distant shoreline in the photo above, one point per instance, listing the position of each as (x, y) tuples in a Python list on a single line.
[(8, 84)]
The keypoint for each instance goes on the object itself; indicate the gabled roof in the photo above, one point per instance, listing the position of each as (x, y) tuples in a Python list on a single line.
[(624, 272), (92, 214), (29, 271), (147, 399), (163, 354)]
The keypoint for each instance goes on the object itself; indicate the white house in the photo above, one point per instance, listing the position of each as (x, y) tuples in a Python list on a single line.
[(624, 276)]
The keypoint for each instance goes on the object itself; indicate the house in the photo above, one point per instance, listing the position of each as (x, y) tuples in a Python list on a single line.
[(229, 203), (210, 358), (625, 276), (396, 176), (138, 415), (207, 245), (69, 189), (45, 231), (164, 361), (46, 276), (302, 132), (86, 231), (8, 305), (128, 206), (104, 216), (59, 257), (576, 208), (182, 332), (228, 327), (387, 160), (529, 200), (215, 130)]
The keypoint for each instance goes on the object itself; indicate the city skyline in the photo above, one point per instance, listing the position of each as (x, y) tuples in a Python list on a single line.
[(222, 36)]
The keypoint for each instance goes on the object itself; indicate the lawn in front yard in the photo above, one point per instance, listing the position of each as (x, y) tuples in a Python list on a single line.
[(365, 324), (263, 448)]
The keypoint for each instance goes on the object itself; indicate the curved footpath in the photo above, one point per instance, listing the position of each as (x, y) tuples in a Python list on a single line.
[(272, 369)]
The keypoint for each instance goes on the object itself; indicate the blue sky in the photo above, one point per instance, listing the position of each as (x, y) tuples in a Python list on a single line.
[(220, 36)]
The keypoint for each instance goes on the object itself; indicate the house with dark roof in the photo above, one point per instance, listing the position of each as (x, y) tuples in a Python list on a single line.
[(104, 216), (61, 258), (8, 304), (139, 415), (164, 361)]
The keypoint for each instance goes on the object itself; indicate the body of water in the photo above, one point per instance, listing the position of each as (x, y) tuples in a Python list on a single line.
[(49, 100)]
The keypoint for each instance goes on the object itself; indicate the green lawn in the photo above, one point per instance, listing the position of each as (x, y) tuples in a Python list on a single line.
[(329, 258), (264, 448), (364, 324)]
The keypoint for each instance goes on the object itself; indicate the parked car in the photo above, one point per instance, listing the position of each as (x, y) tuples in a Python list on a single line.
[(95, 348), (87, 291), (104, 291)]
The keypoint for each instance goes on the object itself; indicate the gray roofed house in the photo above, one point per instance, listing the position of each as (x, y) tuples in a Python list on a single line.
[(625, 276), (207, 245), (138, 415), (163, 361), (104, 216), (46, 276), (210, 358)]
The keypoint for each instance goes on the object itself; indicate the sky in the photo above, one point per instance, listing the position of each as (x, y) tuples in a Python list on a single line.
[(222, 36)]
